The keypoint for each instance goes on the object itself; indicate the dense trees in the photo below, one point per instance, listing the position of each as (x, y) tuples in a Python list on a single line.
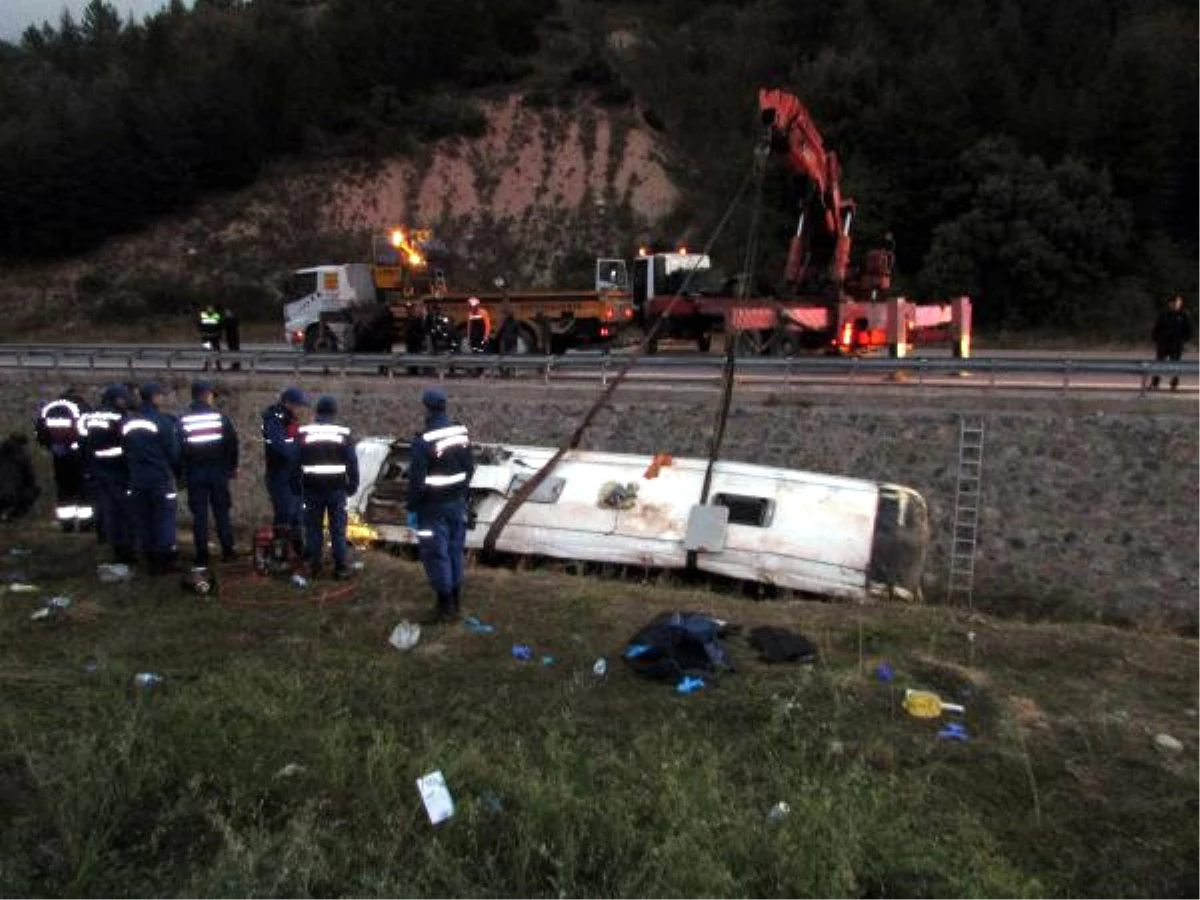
[(1041, 156), (104, 124)]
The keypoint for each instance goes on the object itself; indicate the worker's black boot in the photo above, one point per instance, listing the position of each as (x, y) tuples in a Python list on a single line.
[(455, 600)]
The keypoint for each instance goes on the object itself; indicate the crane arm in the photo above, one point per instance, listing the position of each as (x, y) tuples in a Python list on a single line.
[(791, 132)]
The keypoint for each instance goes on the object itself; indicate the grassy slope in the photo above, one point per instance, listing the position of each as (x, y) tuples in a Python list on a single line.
[(568, 784)]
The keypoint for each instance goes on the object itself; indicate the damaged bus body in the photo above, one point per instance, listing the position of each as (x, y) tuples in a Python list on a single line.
[(819, 534)]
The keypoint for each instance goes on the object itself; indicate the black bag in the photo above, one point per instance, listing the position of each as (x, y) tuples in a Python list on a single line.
[(678, 643), (780, 645)]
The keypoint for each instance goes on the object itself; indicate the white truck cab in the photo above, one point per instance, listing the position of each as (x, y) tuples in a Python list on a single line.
[(309, 293)]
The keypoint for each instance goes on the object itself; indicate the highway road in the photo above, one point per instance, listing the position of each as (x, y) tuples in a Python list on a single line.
[(1013, 369)]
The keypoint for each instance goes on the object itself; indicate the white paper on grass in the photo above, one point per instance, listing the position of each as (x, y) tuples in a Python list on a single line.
[(438, 803)]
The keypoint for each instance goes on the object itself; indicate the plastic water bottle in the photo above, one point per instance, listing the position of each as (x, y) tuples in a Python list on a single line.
[(779, 812), (145, 681), (600, 667)]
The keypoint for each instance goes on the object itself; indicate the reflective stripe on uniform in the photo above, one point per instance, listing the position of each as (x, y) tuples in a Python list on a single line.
[(443, 439), (324, 470), (64, 513), (56, 422), (139, 425), (445, 480), (110, 453), (72, 408)]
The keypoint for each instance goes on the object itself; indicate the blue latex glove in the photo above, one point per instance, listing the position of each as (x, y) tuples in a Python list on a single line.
[(689, 685), (412, 521)]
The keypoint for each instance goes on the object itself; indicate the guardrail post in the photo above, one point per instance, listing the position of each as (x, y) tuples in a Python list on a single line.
[(1066, 375), (1145, 379)]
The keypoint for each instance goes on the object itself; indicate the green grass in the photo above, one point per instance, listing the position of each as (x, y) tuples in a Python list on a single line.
[(566, 784)]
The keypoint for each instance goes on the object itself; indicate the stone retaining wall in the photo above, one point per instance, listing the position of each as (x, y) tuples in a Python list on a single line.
[(1090, 504)]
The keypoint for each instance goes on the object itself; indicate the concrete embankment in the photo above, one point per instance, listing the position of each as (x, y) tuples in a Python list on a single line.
[(1090, 504)]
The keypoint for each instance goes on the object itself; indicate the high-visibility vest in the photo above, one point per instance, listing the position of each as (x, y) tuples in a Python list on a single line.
[(446, 476), (323, 454), (210, 319)]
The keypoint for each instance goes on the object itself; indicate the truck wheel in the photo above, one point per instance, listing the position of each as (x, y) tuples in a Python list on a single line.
[(786, 344), (310, 338), (527, 341)]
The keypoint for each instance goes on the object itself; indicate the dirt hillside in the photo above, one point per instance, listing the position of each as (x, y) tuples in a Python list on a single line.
[(538, 196)]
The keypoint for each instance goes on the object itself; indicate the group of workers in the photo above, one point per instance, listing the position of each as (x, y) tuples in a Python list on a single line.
[(116, 468)]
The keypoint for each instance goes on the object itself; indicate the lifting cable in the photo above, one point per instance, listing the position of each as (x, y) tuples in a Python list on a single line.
[(749, 258), (523, 493)]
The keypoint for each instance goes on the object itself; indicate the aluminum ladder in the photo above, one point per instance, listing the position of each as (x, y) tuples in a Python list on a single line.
[(961, 582)]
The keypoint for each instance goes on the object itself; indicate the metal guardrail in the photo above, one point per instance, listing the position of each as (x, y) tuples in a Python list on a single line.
[(132, 358)]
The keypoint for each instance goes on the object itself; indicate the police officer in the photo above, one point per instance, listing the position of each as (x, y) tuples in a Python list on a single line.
[(58, 431), (152, 454), (329, 467), (439, 475), (107, 468), (280, 424), (1172, 329), (209, 447), (211, 326)]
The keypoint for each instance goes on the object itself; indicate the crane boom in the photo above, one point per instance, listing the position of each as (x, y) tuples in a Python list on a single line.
[(792, 134)]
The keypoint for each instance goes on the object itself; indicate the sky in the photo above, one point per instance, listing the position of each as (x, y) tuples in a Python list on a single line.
[(17, 15)]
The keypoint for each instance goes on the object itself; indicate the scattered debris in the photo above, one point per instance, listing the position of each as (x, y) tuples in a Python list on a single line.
[(405, 636), (884, 672), (600, 667), (522, 652), (1167, 743), (146, 681), (548, 660), (300, 581), (16, 575), (290, 770), (19, 551), (776, 645), (779, 812), (953, 731), (52, 607), (436, 797), (473, 623), (200, 580), (90, 666), (657, 463), (679, 643), (112, 573), (927, 705), (614, 495), (689, 685), (22, 587)]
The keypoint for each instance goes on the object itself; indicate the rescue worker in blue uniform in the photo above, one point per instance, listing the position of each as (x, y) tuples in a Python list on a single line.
[(329, 467), (152, 454), (209, 447), (108, 471), (280, 424), (439, 476), (58, 431)]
